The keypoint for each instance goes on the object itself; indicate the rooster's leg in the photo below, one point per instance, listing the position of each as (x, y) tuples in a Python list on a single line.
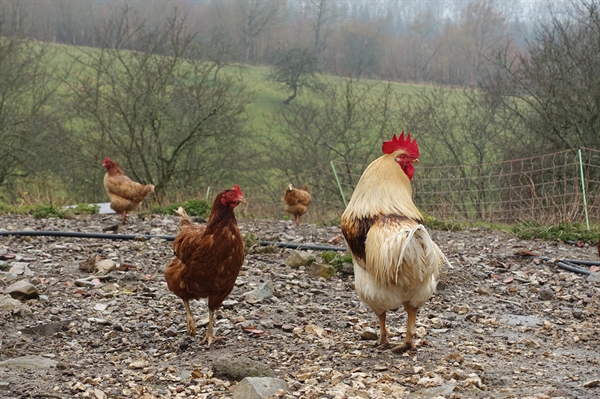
[(410, 331), (189, 317), (383, 333)]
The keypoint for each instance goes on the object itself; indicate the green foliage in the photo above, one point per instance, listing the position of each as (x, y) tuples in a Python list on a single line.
[(193, 207), (562, 231), (336, 259), (46, 211), (85, 209), (197, 207), (437, 224)]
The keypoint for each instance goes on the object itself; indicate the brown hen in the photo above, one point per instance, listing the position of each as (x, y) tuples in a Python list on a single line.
[(208, 258), (296, 201)]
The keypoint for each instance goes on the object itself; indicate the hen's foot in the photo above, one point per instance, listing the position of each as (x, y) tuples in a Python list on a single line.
[(405, 347), (211, 339)]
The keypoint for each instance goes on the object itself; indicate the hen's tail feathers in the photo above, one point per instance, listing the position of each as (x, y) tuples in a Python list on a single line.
[(418, 243), (185, 219)]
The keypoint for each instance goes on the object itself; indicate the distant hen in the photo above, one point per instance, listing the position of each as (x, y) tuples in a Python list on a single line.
[(296, 201), (125, 194)]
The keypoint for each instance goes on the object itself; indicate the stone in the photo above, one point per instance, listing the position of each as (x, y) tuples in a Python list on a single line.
[(265, 290), (258, 387), (593, 278), (10, 305), (299, 258), (321, 270), (22, 290), (21, 269), (106, 266), (30, 362), (347, 268), (238, 368)]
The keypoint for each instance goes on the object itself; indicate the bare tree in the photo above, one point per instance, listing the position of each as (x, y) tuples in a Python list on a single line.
[(31, 134), (156, 110), (553, 89), (255, 18), (323, 16)]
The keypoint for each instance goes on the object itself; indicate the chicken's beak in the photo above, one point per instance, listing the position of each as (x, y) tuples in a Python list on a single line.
[(242, 200), (416, 160)]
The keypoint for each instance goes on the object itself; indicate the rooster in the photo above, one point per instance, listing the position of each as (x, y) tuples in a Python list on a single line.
[(396, 263), (208, 258), (125, 194), (296, 201)]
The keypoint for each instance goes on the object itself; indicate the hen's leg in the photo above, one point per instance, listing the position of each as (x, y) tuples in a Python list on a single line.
[(189, 317), (124, 217), (410, 331), (210, 337), (383, 333), (297, 220)]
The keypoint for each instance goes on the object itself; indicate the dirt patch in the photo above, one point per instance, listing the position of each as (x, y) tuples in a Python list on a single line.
[(503, 326)]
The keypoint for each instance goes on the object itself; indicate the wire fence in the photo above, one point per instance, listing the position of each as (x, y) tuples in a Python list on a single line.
[(545, 189)]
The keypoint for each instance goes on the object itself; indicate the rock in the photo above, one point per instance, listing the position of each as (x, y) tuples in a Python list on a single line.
[(21, 269), (591, 383), (22, 290), (106, 266), (258, 387), (12, 306), (546, 295), (238, 368), (432, 393), (88, 265), (4, 266), (265, 290), (593, 278), (348, 268), (369, 334), (299, 258), (30, 362), (321, 270)]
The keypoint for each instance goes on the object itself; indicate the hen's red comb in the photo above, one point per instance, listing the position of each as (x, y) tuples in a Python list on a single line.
[(237, 189), (401, 143)]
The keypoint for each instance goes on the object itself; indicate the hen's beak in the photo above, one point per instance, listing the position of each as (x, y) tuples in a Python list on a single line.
[(416, 160), (242, 200)]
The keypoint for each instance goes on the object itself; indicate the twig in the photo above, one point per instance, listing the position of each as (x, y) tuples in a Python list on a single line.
[(511, 302)]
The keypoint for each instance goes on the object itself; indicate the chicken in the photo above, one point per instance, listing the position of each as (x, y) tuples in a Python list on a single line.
[(396, 263), (296, 201), (208, 258), (125, 194)]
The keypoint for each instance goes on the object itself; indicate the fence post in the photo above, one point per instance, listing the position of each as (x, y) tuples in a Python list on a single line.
[(587, 221), (207, 192), (338, 183)]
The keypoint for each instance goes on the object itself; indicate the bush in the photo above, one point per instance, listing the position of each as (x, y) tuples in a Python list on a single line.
[(336, 259), (46, 211)]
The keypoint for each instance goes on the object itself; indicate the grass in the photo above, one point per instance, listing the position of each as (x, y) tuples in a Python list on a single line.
[(568, 232)]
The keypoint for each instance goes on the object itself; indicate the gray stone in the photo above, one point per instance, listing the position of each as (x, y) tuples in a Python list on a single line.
[(348, 268), (4, 266), (15, 308), (430, 393), (106, 266), (30, 362), (265, 290), (593, 278), (237, 369), (21, 268), (299, 258), (321, 270), (22, 290), (258, 387)]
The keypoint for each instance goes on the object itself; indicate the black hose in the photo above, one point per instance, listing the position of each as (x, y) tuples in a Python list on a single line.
[(572, 268), (77, 234), (302, 246)]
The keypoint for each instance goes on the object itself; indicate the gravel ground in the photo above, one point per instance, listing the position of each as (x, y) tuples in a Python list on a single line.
[(504, 326)]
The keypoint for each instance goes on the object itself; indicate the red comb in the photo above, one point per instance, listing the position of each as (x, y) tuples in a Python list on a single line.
[(107, 159), (237, 189), (401, 143)]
